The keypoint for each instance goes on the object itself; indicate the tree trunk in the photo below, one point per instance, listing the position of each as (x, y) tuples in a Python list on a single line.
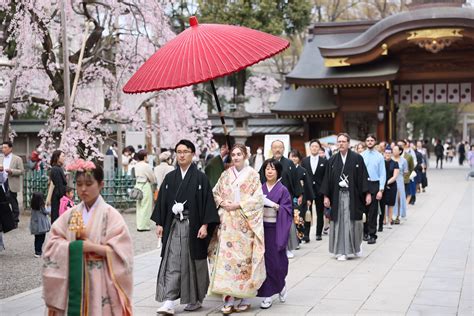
[(8, 110), (158, 133), (119, 147), (148, 138)]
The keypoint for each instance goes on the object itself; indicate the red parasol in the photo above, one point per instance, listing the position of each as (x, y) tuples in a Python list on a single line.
[(201, 53)]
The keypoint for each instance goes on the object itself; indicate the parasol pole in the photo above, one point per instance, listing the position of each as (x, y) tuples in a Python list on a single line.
[(221, 115)]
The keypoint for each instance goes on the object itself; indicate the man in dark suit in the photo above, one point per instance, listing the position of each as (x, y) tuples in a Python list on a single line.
[(316, 167)]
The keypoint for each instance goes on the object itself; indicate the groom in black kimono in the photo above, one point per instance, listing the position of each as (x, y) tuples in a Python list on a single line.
[(346, 192), (186, 216)]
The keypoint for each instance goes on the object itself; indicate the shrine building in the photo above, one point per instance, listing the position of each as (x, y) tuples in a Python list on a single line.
[(354, 76)]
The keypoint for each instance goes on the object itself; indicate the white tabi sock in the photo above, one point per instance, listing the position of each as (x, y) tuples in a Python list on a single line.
[(169, 304)]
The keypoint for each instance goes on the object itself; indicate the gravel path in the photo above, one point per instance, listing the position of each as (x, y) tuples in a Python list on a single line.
[(20, 271)]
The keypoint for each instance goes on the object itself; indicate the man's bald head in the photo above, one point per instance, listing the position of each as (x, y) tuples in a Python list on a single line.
[(278, 147)]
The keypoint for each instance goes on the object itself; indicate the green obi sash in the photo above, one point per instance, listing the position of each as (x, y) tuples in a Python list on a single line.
[(76, 273)]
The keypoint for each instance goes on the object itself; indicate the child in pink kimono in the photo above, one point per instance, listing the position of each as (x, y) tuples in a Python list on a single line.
[(67, 201)]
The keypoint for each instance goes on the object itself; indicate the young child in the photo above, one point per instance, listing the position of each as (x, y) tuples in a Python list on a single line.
[(39, 224), (67, 201)]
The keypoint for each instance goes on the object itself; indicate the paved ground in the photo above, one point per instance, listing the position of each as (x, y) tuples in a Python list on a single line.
[(422, 267)]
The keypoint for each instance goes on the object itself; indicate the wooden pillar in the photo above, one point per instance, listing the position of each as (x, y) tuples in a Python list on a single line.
[(382, 126), (339, 122), (148, 139), (306, 135), (381, 130), (158, 133), (338, 115), (391, 117)]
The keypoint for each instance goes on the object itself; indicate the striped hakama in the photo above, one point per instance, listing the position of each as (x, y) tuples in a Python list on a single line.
[(293, 237), (180, 276), (345, 235)]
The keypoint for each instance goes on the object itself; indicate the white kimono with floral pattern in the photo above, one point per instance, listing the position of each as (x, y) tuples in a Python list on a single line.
[(237, 248)]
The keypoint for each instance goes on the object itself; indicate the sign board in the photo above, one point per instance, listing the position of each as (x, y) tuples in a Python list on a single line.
[(269, 139)]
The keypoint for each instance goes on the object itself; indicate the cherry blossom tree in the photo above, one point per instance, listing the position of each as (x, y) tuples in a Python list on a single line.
[(123, 35), (262, 87)]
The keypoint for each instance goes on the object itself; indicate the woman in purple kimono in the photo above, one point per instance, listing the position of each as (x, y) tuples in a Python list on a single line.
[(277, 218)]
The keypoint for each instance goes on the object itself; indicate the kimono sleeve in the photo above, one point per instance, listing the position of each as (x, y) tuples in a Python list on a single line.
[(295, 181), (159, 212), (218, 190), (56, 265), (207, 205), (325, 188), (252, 205), (363, 176), (284, 219), (120, 258)]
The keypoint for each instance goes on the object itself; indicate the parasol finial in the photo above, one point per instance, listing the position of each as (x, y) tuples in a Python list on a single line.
[(193, 21)]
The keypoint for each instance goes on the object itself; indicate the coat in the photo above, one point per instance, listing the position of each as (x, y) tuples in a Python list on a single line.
[(196, 191), (358, 176), (7, 223), (14, 179), (39, 223), (58, 178)]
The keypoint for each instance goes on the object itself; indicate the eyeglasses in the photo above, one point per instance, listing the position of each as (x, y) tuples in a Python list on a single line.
[(184, 152)]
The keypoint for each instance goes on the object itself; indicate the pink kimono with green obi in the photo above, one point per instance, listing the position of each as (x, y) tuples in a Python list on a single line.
[(87, 284)]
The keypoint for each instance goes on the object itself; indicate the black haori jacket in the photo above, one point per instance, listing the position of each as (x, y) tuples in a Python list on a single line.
[(355, 169), (194, 189)]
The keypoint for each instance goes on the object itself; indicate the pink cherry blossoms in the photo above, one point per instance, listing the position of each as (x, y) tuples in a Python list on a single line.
[(262, 87), (122, 37)]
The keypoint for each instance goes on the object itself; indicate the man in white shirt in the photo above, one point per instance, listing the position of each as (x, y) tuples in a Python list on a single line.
[(316, 166)]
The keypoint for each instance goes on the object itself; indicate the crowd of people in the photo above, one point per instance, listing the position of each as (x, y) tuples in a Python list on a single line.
[(227, 231), (265, 211), (448, 151)]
